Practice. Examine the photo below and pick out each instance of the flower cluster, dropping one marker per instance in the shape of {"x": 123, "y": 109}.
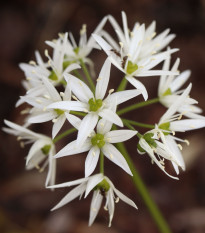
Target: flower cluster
{"x": 63, "y": 89}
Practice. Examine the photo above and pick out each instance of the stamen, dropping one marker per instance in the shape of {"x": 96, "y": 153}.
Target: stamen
{"x": 25, "y": 111}
{"x": 22, "y": 144}
{"x": 18, "y": 138}
{"x": 105, "y": 208}
{"x": 55, "y": 120}
{"x": 121, "y": 44}
{"x": 111, "y": 91}
{"x": 32, "y": 63}
{"x": 117, "y": 199}
{"x": 74, "y": 97}
{"x": 180, "y": 146}
{"x": 39, "y": 101}
{"x": 28, "y": 78}
{"x": 46, "y": 53}
{"x": 187, "y": 142}
{"x": 173, "y": 132}
{"x": 83, "y": 30}
{"x": 111, "y": 156}
{"x": 62, "y": 94}
{"x": 47, "y": 97}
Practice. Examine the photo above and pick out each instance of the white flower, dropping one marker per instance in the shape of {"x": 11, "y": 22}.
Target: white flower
{"x": 42, "y": 149}
{"x": 169, "y": 91}
{"x": 169, "y": 124}
{"x": 40, "y": 113}
{"x": 100, "y": 142}
{"x": 74, "y": 52}
{"x": 102, "y": 187}
{"x": 137, "y": 52}
{"x": 95, "y": 105}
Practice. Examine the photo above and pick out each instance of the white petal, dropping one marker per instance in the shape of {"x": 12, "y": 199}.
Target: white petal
{"x": 92, "y": 182}
{"x": 116, "y": 157}
{"x": 180, "y": 80}
{"x": 111, "y": 205}
{"x": 91, "y": 160}
{"x": 123, "y": 96}
{"x": 186, "y": 125}
{"x": 103, "y": 44}
{"x": 104, "y": 126}
{"x": 86, "y": 127}
{"x": 111, "y": 116}
{"x": 70, "y": 183}
{"x": 95, "y": 206}
{"x": 43, "y": 117}
{"x": 58, "y": 125}
{"x": 124, "y": 198}
{"x": 74, "y": 120}
{"x": 80, "y": 89}
{"x": 51, "y": 90}
{"x": 50, "y": 179}
{"x": 70, "y": 196}
{"x": 137, "y": 84}
{"x": 71, "y": 67}
{"x": 72, "y": 148}
{"x": 69, "y": 105}
{"x": 37, "y": 146}
{"x": 116, "y": 136}
{"x": 103, "y": 79}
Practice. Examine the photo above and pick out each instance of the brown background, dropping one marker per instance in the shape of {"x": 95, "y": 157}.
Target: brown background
{"x": 24, "y": 203}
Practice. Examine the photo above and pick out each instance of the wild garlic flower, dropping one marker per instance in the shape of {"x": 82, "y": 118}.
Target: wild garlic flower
{"x": 42, "y": 150}
{"x": 169, "y": 91}
{"x": 100, "y": 142}
{"x": 165, "y": 130}
{"x": 137, "y": 52}
{"x": 74, "y": 52}
{"x": 40, "y": 113}
{"x": 95, "y": 105}
{"x": 102, "y": 187}
{"x": 54, "y": 69}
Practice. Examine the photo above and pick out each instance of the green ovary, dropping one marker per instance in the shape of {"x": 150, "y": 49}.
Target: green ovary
{"x": 165, "y": 126}
{"x": 98, "y": 140}
{"x": 103, "y": 185}
{"x": 95, "y": 104}
{"x": 167, "y": 92}
{"x": 59, "y": 111}
{"x": 148, "y": 138}
{"x": 53, "y": 76}
{"x": 45, "y": 150}
{"x": 131, "y": 67}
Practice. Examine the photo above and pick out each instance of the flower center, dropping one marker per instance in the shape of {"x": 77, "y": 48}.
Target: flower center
{"x": 103, "y": 186}
{"x": 58, "y": 111}
{"x": 95, "y": 104}
{"x": 53, "y": 76}
{"x": 148, "y": 138}
{"x": 131, "y": 67}
{"x": 165, "y": 126}
{"x": 167, "y": 92}
{"x": 45, "y": 150}
{"x": 76, "y": 50}
{"x": 98, "y": 140}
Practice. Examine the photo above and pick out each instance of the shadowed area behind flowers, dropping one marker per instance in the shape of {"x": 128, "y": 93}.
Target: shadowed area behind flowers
{"x": 24, "y": 202}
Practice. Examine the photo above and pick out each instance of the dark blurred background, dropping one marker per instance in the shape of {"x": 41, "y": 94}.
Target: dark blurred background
{"x": 24, "y": 202}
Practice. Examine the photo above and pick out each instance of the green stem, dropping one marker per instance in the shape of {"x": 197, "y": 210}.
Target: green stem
{"x": 64, "y": 134}
{"x": 122, "y": 85}
{"x": 77, "y": 74}
{"x": 140, "y": 186}
{"x": 90, "y": 81}
{"x": 130, "y": 122}
{"x": 101, "y": 162}
{"x": 138, "y": 105}
{"x": 77, "y": 113}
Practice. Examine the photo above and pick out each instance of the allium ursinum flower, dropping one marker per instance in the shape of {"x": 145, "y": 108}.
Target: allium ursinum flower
{"x": 137, "y": 52}
{"x": 162, "y": 141}
{"x": 54, "y": 69}
{"x": 102, "y": 187}
{"x": 100, "y": 142}
{"x": 169, "y": 90}
{"x": 95, "y": 105}
{"x": 42, "y": 150}
{"x": 40, "y": 113}
{"x": 74, "y": 52}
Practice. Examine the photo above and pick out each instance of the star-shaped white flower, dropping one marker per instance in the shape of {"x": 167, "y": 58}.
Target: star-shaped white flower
{"x": 101, "y": 141}
{"x": 102, "y": 187}
{"x": 95, "y": 105}
{"x": 40, "y": 113}
{"x": 169, "y": 91}
{"x": 162, "y": 141}
{"x": 42, "y": 149}
{"x": 137, "y": 53}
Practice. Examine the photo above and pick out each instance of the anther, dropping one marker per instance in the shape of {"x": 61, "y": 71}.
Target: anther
{"x": 54, "y": 120}
{"x": 117, "y": 199}
{"x": 121, "y": 44}
{"x": 47, "y": 96}
{"x": 62, "y": 94}
{"x": 111, "y": 91}
{"x": 187, "y": 142}
{"x": 180, "y": 146}
{"x": 32, "y": 63}
{"x": 46, "y": 53}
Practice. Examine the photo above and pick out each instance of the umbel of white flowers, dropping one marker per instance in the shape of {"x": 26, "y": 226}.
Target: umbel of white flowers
{"x": 56, "y": 91}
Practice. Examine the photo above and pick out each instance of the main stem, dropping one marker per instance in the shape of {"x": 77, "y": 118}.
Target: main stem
{"x": 122, "y": 85}
{"x": 101, "y": 162}
{"x": 64, "y": 134}
{"x": 89, "y": 78}
{"x": 138, "y": 105}
{"x": 140, "y": 186}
